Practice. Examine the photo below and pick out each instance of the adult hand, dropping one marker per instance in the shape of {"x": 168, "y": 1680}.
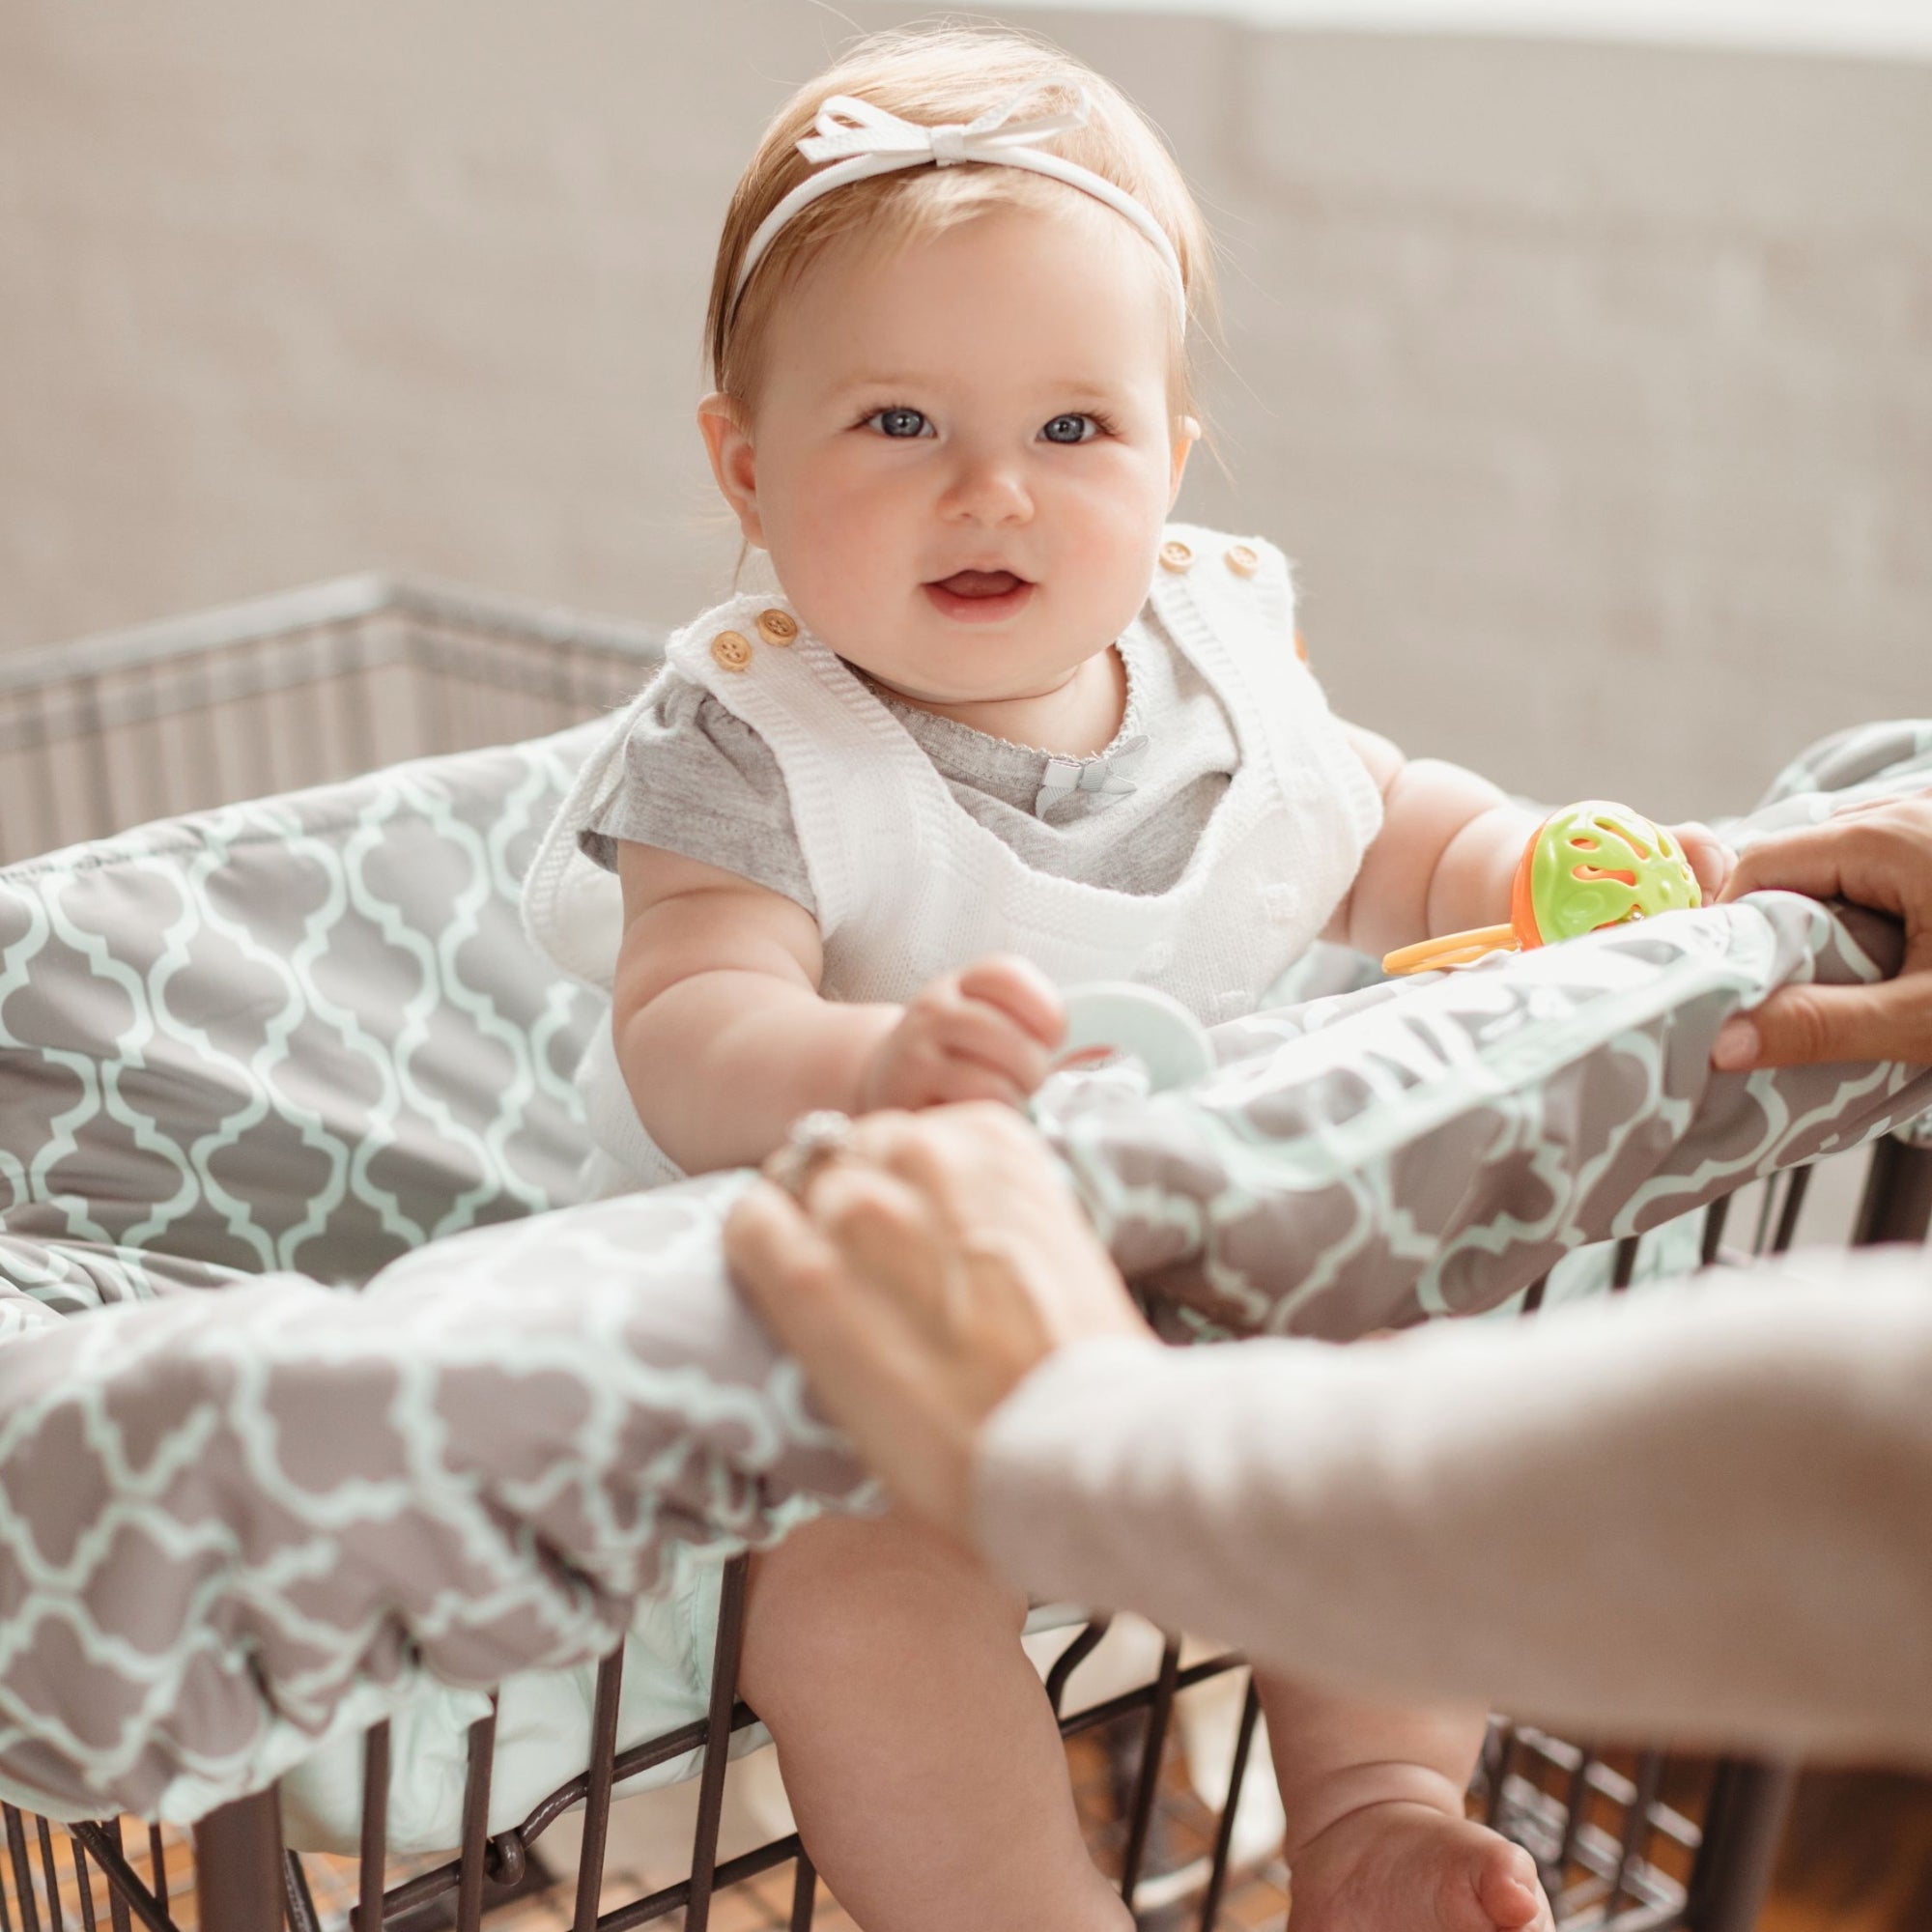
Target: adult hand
{"x": 933, "y": 1261}
{"x": 1877, "y": 855}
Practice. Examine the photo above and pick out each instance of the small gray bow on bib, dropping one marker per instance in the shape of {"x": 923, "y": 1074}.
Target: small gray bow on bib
{"x": 1105, "y": 779}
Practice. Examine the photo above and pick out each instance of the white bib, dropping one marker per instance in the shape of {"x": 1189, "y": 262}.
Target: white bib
{"x": 909, "y": 885}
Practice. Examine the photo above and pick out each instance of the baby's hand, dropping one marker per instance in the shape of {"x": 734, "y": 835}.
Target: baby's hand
{"x": 986, "y": 1033}
{"x": 1711, "y": 859}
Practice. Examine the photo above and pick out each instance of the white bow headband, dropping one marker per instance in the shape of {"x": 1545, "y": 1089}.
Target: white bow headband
{"x": 857, "y": 140}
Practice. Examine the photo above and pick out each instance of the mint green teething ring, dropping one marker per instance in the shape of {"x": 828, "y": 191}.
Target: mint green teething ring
{"x": 1117, "y": 1017}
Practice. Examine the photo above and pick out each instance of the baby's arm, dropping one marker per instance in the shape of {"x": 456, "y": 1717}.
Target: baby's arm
{"x": 1443, "y": 859}
{"x": 1448, "y": 849}
{"x": 724, "y": 1041}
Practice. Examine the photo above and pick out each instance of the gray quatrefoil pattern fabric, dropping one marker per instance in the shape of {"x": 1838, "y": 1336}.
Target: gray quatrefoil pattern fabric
{"x": 253, "y": 1062}
{"x": 301, "y": 1033}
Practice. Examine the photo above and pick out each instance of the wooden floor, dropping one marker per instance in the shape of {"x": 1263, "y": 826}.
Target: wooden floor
{"x": 1858, "y": 1858}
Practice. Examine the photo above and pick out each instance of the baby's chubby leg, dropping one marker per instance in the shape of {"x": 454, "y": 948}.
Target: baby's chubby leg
{"x": 919, "y": 1751}
{"x": 1376, "y": 1837}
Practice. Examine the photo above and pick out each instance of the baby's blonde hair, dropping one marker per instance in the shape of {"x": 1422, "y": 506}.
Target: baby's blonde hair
{"x": 938, "y": 74}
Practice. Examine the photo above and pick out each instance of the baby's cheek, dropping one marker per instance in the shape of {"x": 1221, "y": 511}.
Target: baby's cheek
{"x": 1109, "y": 542}
{"x": 831, "y": 569}
{"x": 833, "y": 530}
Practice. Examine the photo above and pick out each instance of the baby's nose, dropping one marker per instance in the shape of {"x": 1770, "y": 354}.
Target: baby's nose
{"x": 989, "y": 489}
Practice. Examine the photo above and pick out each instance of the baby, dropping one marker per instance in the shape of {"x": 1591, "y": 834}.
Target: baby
{"x": 1002, "y": 729}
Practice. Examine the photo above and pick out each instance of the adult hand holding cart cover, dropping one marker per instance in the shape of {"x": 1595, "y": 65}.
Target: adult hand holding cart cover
{"x": 1372, "y": 1516}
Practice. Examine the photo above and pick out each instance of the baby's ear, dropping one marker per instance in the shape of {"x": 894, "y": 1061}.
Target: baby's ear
{"x": 725, "y": 428}
{"x": 1187, "y": 433}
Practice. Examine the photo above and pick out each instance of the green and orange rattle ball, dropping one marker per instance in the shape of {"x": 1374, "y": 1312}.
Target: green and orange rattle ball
{"x": 1585, "y": 867}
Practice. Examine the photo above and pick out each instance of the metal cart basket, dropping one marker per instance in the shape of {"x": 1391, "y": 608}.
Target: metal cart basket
{"x": 286, "y": 692}
{"x": 335, "y": 680}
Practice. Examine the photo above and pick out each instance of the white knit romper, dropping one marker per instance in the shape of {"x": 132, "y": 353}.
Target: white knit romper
{"x": 909, "y": 885}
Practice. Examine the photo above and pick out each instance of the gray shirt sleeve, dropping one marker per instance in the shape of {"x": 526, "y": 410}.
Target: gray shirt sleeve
{"x": 698, "y": 781}
{"x": 1699, "y": 1515}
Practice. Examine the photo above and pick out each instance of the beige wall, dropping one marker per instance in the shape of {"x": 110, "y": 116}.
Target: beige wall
{"x": 1591, "y": 387}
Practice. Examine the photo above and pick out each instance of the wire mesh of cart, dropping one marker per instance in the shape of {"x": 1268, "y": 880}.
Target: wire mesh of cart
{"x": 347, "y": 677}
{"x": 290, "y": 690}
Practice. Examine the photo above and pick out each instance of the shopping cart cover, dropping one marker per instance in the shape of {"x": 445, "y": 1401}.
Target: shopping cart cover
{"x": 305, "y": 1033}
{"x": 280, "y": 1051}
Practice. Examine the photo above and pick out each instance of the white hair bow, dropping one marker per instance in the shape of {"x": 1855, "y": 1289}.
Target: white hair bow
{"x": 846, "y": 127}
{"x": 855, "y": 139}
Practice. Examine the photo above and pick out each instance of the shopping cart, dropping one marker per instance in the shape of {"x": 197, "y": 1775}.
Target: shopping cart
{"x": 348, "y": 676}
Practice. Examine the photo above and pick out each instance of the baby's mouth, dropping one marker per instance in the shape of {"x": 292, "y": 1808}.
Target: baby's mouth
{"x": 980, "y": 583}
{"x": 978, "y": 595}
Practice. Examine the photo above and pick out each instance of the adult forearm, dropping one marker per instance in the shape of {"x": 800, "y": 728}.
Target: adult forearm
{"x": 720, "y": 1064}
{"x": 1700, "y": 1517}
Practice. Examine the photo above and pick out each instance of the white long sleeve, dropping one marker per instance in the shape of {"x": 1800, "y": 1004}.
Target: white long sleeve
{"x": 1704, "y": 1515}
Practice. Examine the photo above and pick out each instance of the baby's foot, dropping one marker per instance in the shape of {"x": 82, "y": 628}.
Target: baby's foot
{"x": 1408, "y": 1867}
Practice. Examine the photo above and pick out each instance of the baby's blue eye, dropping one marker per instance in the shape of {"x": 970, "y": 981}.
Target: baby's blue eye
{"x": 898, "y": 422}
{"x": 1070, "y": 429}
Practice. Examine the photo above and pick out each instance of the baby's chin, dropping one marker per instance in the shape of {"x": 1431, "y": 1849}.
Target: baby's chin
{"x": 931, "y": 661}
{"x": 972, "y": 692}
{"x": 930, "y": 693}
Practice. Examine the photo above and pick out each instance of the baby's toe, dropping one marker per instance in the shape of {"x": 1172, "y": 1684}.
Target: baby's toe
{"x": 1507, "y": 1892}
